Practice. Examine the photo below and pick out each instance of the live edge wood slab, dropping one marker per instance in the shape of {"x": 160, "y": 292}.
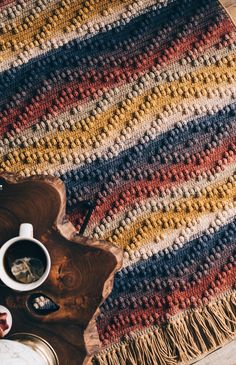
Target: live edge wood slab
{"x": 81, "y": 275}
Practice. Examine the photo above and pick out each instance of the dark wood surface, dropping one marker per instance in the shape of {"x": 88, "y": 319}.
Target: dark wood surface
{"x": 81, "y": 275}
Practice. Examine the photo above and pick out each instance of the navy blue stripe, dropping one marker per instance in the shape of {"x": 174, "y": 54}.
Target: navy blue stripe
{"x": 71, "y": 55}
{"x": 85, "y": 182}
{"x": 166, "y": 265}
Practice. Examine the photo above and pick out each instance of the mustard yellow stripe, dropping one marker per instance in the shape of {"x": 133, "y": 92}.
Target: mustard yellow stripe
{"x": 179, "y": 214}
{"x": 57, "y": 18}
{"x": 149, "y": 204}
{"x": 90, "y": 133}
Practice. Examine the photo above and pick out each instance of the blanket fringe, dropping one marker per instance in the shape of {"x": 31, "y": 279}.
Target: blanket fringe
{"x": 182, "y": 340}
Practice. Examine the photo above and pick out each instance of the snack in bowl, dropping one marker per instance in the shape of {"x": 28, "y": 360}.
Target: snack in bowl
{"x": 5, "y": 321}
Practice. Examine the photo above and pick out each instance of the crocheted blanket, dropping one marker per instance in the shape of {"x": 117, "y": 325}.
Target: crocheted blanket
{"x": 133, "y": 104}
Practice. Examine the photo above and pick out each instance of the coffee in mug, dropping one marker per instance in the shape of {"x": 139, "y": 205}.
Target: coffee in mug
{"x": 24, "y": 261}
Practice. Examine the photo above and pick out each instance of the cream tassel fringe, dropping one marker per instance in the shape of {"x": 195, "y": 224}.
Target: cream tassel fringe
{"x": 184, "y": 338}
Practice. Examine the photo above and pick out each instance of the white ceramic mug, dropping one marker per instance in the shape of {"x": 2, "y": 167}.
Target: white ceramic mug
{"x": 26, "y": 234}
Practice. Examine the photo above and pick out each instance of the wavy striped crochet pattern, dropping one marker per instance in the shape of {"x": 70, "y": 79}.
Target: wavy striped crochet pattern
{"x": 133, "y": 104}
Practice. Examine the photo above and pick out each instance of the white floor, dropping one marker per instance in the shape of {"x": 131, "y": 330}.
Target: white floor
{"x": 223, "y": 356}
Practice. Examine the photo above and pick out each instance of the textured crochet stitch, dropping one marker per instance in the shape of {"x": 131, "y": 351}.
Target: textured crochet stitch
{"x": 132, "y": 103}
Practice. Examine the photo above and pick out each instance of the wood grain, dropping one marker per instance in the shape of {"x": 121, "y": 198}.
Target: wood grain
{"x": 72, "y": 332}
{"x": 81, "y": 275}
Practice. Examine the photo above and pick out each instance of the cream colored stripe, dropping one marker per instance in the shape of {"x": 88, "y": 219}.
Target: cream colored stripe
{"x": 97, "y": 24}
{"x": 111, "y": 147}
{"x": 203, "y": 224}
{"x": 99, "y": 231}
{"x": 114, "y": 96}
{"x": 17, "y": 12}
{"x": 108, "y": 151}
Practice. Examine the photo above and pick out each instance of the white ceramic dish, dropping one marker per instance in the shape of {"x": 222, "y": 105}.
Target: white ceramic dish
{"x": 15, "y": 353}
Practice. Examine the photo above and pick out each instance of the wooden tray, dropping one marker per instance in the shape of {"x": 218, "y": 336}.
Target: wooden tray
{"x": 81, "y": 275}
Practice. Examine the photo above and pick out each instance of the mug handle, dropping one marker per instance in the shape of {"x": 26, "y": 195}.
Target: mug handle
{"x": 26, "y": 230}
